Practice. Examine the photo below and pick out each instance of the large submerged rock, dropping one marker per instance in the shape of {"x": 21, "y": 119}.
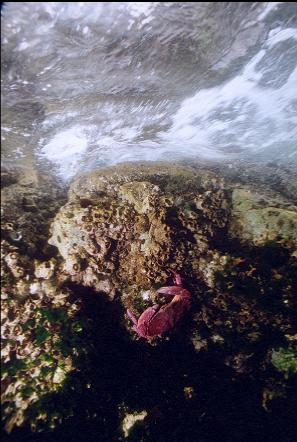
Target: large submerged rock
{"x": 125, "y": 227}
{"x": 116, "y": 240}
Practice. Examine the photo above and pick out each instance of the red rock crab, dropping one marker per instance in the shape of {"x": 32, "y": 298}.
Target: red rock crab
{"x": 157, "y": 320}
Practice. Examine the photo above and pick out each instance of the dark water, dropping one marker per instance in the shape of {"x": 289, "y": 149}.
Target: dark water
{"x": 91, "y": 84}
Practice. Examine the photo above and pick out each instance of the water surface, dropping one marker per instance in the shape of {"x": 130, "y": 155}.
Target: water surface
{"x": 91, "y": 84}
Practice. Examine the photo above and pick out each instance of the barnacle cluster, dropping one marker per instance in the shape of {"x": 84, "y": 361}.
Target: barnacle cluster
{"x": 40, "y": 342}
{"x": 37, "y": 318}
{"x": 125, "y": 228}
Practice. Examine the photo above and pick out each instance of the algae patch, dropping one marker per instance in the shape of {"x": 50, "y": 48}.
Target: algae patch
{"x": 40, "y": 346}
{"x": 285, "y": 360}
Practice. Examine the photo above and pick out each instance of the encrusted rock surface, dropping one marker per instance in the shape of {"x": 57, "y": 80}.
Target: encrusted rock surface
{"x": 32, "y": 353}
{"x": 117, "y": 238}
{"x": 124, "y": 228}
{"x": 258, "y": 218}
{"x": 36, "y": 356}
{"x": 29, "y": 200}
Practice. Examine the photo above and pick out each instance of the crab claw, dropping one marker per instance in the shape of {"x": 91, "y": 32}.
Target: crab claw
{"x": 173, "y": 291}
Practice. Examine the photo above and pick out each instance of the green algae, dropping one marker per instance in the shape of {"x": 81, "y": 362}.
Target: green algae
{"x": 285, "y": 360}
{"x": 65, "y": 341}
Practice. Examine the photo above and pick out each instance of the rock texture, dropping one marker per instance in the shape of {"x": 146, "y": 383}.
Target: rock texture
{"x": 33, "y": 309}
{"x": 257, "y": 218}
{"x": 117, "y": 238}
{"x": 125, "y": 228}
{"x": 29, "y": 200}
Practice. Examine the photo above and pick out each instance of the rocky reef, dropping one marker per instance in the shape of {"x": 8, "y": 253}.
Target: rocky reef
{"x": 117, "y": 239}
{"x": 33, "y": 355}
{"x": 124, "y": 228}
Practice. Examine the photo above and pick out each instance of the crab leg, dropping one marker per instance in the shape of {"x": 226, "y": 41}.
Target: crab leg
{"x": 132, "y": 317}
{"x": 177, "y": 278}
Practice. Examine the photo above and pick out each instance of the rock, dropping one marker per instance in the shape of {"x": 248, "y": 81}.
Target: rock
{"x": 127, "y": 226}
{"x": 130, "y": 420}
{"x": 8, "y": 177}
{"x": 258, "y": 218}
{"x": 121, "y": 233}
{"x": 234, "y": 244}
{"x": 142, "y": 195}
{"x": 45, "y": 270}
{"x": 35, "y": 357}
{"x": 28, "y": 202}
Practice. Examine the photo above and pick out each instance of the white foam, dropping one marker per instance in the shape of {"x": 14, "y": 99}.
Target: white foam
{"x": 277, "y": 35}
{"x": 66, "y": 150}
{"x": 23, "y": 45}
{"x": 239, "y": 112}
{"x": 138, "y": 8}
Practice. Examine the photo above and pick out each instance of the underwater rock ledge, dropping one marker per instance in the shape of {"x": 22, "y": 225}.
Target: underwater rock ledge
{"x": 125, "y": 227}
{"x": 120, "y": 234}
